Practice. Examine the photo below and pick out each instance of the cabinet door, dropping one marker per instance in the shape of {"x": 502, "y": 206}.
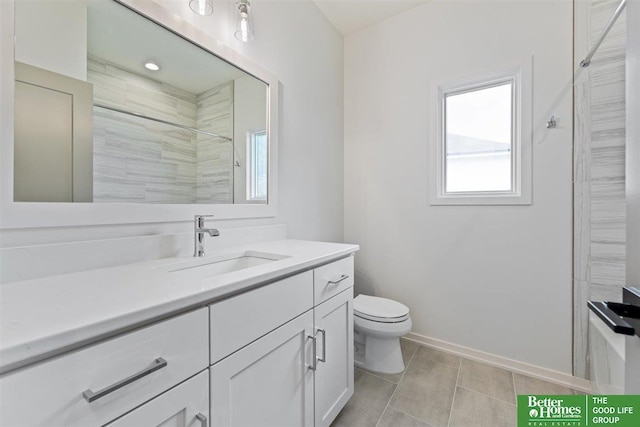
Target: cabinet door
{"x": 186, "y": 405}
{"x": 269, "y": 382}
{"x": 334, "y": 374}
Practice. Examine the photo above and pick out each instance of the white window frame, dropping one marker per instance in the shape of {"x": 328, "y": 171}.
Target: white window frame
{"x": 251, "y": 136}
{"x": 520, "y": 75}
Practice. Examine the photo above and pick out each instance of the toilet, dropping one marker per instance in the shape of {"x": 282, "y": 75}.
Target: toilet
{"x": 378, "y": 325}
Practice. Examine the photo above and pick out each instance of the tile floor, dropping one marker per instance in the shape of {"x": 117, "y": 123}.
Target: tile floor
{"x": 438, "y": 389}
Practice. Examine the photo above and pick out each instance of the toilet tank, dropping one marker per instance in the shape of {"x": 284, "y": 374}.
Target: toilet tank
{"x": 607, "y": 350}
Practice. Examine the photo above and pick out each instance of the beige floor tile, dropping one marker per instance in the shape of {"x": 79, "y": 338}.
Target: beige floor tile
{"x": 369, "y": 401}
{"x": 487, "y": 379}
{"x": 393, "y": 418}
{"x": 528, "y": 385}
{"x": 471, "y": 409}
{"x": 438, "y": 356}
{"x": 426, "y": 390}
{"x": 408, "y": 349}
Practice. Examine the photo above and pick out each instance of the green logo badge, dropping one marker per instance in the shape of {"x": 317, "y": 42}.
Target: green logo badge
{"x": 578, "y": 411}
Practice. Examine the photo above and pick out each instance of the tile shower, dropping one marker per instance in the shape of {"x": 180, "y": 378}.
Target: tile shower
{"x": 174, "y": 166}
{"x": 599, "y": 163}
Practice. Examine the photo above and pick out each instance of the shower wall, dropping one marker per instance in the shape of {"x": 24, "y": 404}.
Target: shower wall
{"x": 215, "y": 155}
{"x": 599, "y": 167}
{"x": 142, "y": 161}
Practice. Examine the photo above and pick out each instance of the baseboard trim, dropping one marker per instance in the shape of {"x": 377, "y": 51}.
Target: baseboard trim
{"x": 545, "y": 374}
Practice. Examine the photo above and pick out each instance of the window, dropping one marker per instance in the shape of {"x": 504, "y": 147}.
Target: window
{"x": 482, "y": 130}
{"x": 257, "y": 171}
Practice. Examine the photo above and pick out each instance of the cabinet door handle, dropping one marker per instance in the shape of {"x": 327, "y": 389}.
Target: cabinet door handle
{"x": 315, "y": 348}
{"x": 335, "y": 282}
{"x": 202, "y": 418}
{"x": 90, "y": 396}
{"x": 324, "y": 345}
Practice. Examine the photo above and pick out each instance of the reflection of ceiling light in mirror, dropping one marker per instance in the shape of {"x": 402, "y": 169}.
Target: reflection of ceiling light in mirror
{"x": 244, "y": 22}
{"x": 202, "y": 7}
{"x": 151, "y": 66}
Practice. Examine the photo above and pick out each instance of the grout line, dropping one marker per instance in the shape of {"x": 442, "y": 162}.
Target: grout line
{"x": 411, "y": 416}
{"x": 455, "y": 389}
{"x": 487, "y": 395}
{"x": 406, "y": 367}
{"x": 373, "y": 374}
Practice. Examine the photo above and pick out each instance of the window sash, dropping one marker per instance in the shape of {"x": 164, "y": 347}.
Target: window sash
{"x": 518, "y": 72}
{"x": 477, "y": 86}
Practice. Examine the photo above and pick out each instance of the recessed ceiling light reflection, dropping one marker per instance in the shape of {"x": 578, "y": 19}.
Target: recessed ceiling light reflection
{"x": 151, "y": 66}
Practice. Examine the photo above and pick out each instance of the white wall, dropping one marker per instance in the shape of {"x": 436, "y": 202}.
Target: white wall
{"x": 249, "y": 99}
{"x": 493, "y": 278}
{"x": 295, "y": 42}
{"x": 52, "y": 35}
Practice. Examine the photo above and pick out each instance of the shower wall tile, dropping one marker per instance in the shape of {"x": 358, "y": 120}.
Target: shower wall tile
{"x": 599, "y": 175}
{"x": 137, "y": 160}
{"x": 582, "y": 190}
{"x": 581, "y": 292}
{"x": 215, "y": 155}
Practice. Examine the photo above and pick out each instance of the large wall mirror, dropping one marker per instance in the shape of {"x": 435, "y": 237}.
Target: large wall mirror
{"x": 123, "y": 103}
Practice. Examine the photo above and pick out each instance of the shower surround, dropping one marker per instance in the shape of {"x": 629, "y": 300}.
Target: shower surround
{"x": 599, "y": 168}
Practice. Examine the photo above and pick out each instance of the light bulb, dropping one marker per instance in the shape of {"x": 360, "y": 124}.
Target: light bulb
{"x": 202, "y": 7}
{"x": 244, "y": 22}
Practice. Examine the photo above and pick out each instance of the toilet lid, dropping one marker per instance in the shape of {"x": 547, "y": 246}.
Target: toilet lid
{"x": 379, "y": 309}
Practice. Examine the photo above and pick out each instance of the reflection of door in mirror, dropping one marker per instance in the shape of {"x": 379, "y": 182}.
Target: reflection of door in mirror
{"x": 53, "y": 137}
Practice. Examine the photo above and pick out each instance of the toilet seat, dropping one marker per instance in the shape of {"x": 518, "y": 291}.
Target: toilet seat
{"x": 378, "y": 309}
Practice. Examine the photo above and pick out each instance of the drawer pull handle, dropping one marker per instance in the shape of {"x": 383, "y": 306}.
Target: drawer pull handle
{"x": 315, "y": 348}
{"x": 324, "y": 345}
{"x": 202, "y": 418}
{"x": 90, "y": 396}
{"x": 335, "y": 282}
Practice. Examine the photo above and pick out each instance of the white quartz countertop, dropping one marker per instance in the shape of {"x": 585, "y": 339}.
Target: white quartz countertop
{"x": 47, "y": 316}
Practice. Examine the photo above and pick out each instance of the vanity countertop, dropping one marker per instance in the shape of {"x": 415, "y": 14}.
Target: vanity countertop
{"x": 43, "y": 317}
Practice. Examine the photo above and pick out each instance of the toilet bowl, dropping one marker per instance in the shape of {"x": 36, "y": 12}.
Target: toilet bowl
{"x": 378, "y": 325}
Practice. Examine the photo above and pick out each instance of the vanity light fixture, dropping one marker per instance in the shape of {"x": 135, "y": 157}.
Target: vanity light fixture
{"x": 151, "y": 66}
{"x": 202, "y": 7}
{"x": 244, "y": 22}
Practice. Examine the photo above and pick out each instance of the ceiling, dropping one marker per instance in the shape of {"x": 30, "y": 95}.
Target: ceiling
{"x": 350, "y": 16}
{"x": 128, "y": 40}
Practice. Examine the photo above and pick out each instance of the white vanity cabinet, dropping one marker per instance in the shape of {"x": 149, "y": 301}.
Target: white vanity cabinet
{"x": 182, "y": 406}
{"x": 267, "y": 383}
{"x": 299, "y": 372}
{"x": 94, "y": 385}
{"x": 334, "y": 369}
{"x": 274, "y": 354}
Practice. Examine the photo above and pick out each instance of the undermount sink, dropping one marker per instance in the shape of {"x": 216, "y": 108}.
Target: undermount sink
{"x": 223, "y": 264}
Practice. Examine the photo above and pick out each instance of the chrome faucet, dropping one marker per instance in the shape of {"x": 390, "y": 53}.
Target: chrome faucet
{"x": 199, "y": 232}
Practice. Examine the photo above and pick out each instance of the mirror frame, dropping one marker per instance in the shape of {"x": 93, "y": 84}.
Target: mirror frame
{"x": 34, "y": 214}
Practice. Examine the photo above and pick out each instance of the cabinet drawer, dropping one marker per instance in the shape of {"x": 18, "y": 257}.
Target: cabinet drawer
{"x": 237, "y": 321}
{"x": 331, "y": 279}
{"x": 59, "y": 387}
{"x": 184, "y": 405}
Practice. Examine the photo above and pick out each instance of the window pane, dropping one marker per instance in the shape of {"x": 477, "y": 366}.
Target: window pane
{"x": 258, "y": 170}
{"x": 479, "y": 140}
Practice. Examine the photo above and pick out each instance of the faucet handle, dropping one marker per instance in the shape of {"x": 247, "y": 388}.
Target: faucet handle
{"x": 199, "y": 220}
